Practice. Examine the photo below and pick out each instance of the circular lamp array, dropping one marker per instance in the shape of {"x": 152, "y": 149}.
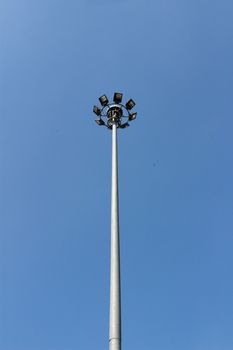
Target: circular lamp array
{"x": 114, "y": 112}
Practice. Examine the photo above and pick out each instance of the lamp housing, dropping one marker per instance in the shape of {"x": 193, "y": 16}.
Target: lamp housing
{"x": 103, "y": 100}
{"x": 130, "y": 104}
{"x": 117, "y": 98}
{"x": 100, "y": 122}
{"x": 132, "y": 116}
{"x": 97, "y": 110}
{"x": 125, "y": 125}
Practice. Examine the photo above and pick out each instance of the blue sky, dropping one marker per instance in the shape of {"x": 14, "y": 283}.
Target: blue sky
{"x": 176, "y": 169}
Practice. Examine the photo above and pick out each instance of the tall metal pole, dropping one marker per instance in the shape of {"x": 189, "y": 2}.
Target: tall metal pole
{"x": 115, "y": 287}
{"x": 115, "y": 115}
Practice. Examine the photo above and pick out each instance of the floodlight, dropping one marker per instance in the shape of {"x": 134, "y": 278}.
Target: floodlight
{"x": 132, "y": 116}
{"x": 103, "y": 100}
{"x": 97, "y": 110}
{"x": 117, "y": 97}
{"x": 100, "y": 122}
{"x": 123, "y": 126}
{"x": 130, "y": 104}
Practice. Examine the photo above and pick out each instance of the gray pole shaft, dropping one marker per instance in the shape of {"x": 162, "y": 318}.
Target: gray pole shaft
{"x": 115, "y": 288}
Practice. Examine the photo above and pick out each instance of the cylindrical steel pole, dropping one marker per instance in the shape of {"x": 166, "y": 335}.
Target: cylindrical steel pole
{"x": 115, "y": 287}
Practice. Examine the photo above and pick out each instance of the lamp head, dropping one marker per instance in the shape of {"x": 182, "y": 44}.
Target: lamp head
{"x": 100, "y": 122}
{"x": 103, "y": 100}
{"x": 97, "y": 110}
{"x": 117, "y": 97}
{"x": 125, "y": 125}
{"x": 132, "y": 116}
{"x": 130, "y": 104}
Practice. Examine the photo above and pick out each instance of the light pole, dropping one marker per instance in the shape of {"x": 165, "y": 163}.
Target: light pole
{"x": 115, "y": 115}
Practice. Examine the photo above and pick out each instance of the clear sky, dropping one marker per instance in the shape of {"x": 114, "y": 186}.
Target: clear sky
{"x": 175, "y": 58}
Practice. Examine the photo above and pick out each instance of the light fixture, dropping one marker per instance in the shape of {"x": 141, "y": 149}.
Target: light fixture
{"x": 117, "y": 97}
{"x": 103, "y": 100}
{"x": 100, "y": 122}
{"x": 123, "y": 126}
{"x": 97, "y": 110}
{"x": 130, "y": 104}
{"x": 115, "y": 112}
{"x": 132, "y": 116}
